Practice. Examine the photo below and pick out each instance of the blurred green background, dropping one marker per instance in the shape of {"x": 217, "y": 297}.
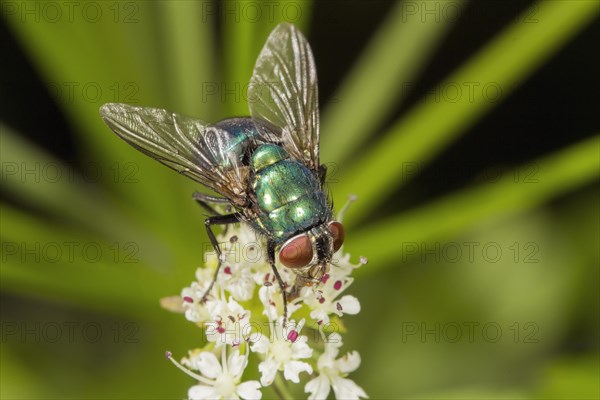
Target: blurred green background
{"x": 468, "y": 130}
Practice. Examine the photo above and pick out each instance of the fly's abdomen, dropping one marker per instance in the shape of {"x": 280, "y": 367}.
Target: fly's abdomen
{"x": 289, "y": 196}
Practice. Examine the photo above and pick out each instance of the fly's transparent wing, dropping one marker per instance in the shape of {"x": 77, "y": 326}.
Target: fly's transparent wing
{"x": 283, "y": 94}
{"x": 187, "y": 145}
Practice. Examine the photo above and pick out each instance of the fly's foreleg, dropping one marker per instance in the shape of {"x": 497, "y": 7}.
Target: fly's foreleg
{"x": 218, "y": 220}
{"x": 271, "y": 260}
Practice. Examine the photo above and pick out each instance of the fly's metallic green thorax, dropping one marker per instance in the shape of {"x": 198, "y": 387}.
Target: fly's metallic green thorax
{"x": 266, "y": 155}
{"x": 289, "y": 195}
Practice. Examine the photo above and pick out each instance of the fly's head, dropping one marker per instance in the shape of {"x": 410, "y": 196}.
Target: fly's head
{"x": 309, "y": 253}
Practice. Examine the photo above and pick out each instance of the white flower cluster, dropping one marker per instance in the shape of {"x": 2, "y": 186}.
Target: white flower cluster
{"x": 244, "y": 314}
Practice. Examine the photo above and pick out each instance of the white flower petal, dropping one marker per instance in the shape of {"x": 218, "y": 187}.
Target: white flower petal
{"x": 346, "y": 389}
{"x": 215, "y": 307}
{"x": 234, "y": 307}
{"x": 249, "y": 390}
{"x": 292, "y": 307}
{"x": 272, "y": 300}
{"x": 332, "y": 346}
{"x": 204, "y": 276}
{"x": 229, "y": 322}
{"x": 208, "y": 364}
{"x": 318, "y": 388}
{"x": 344, "y": 267}
{"x": 334, "y": 340}
{"x": 268, "y": 368}
{"x": 224, "y": 317}
{"x": 350, "y": 305}
{"x": 350, "y": 362}
{"x": 300, "y": 349}
{"x": 241, "y": 285}
{"x": 196, "y": 314}
{"x": 267, "y": 296}
{"x": 237, "y": 363}
{"x": 319, "y": 315}
{"x": 194, "y": 310}
{"x": 201, "y": 392}
{"x": 292, "y": 369}
{"x": 326, "y": 362}
{"x": 261, "y": 345}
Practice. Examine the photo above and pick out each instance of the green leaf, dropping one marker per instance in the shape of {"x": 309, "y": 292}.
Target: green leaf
{"x": 46, "y": 183}
{"x": 380, "y": 80}
{"x": 432, "y": 125}
{"x": 271, "y": 14}
{"x": 238, "y": 57}
{"x": 526, "y": 187}
{"x": 49, "y": 260}
{"x": 571, "y": 378}
{"x": 189, "y": 55}
{"x": 246, "y": 26}
{"x": 88, "y": 62}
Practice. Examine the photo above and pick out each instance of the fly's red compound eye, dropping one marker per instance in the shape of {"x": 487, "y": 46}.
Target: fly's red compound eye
{"x": 337, "y": 233}
{"x": 296, "y": 253}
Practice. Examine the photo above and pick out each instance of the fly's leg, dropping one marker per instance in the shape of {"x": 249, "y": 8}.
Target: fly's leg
{"x": 295, "y": 290}
{"x": 322, "y": 172}
{"x": 271, "y": 260}
{"x": 218, "y": 220}
{"x": 206, "y": 201}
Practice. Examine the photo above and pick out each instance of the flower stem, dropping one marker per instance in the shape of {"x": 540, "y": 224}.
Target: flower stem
{"x": 281, "y": 388}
